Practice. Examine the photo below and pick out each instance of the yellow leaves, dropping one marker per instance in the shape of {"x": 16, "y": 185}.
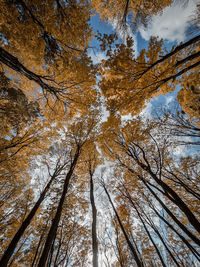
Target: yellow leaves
{"x": 51, "y": 40}
{"x": 154, "y": 51}
{"x": 119, "y": 10}
{"x": 128, "y": 83}
{"x": 189, "y": 96}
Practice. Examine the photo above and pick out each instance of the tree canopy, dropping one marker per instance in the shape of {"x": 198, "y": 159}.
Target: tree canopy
{"x": 88, "y": 175}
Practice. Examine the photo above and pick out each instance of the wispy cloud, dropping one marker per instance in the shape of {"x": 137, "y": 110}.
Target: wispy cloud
{"x": 172, "y": 23}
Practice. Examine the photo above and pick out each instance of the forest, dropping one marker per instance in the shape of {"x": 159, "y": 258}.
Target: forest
{"x": 99, "y": 133}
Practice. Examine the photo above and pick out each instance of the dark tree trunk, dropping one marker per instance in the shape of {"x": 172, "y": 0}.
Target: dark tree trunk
{"x": 131, "y": 247}
{"x": 39, "y": 243}
{"x": 169, "y": 193}
{"x": 94, "y": 224}
{"x": 147, "y": 231}
{"x": 10, "y": 249}
{"x": 56, "y": 219}
{"x": 192, "y": 249}
{"x": 174, "y": 197}
{"x": 182, "y": 227}
{"x": 162, "y": 240}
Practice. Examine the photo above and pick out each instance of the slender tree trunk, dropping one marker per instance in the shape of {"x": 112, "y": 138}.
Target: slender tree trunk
{"x": 49, "y": 261}
{"x": 170, "y": 194}
{"x": 168, "y": 191}
{"x": 165, "y": 245}
{"x": 147, "y": 231}
{"x": 10, "y": 249}
{"x": 184, "y": 240}
{"x": 182, "y": 227}
{"x": 39, "y": 243}
{"x": 94, "y": 224}
{"x": 174, "y": 197}
{"x": 56, "y": 219}
{"x": 192, "y": 249}
{"x": 131, "y": 247}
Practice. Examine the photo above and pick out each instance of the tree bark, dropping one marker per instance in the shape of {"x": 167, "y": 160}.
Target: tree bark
{"x": 94, "y": 224}
{"x": 135, "y": 256}
{"x": 182, "y": 227}
{"x": 10, "y": 249}
{"x": 56, "y": 219}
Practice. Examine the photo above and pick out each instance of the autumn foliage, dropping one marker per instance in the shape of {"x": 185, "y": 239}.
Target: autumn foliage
{"x": 79, "y": 189}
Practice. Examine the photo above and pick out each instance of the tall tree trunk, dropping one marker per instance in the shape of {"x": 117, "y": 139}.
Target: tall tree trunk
{"x": 39, "y": 243}
{"x": 174, "y": 197}
{"x": 191, "y": 248}
{"x": 147, "y": 231}
{"x": 167, "y": 190}
{"x": 131, "y": 247}
{"x": 171, "y": 195}
{"x": 10, "y": 249}
{"x": 182, "y": 226}
{"x": 94, "y": 224}
{"x": 56, "y": 219}
{"x": 162, "y": 240}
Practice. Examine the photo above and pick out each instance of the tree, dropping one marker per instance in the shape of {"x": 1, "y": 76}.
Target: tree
{"x": 130, "y": 245}
{"x": 92, "y": 164}
{"x": 155, "y": 158}
{"x": 119, "y": 10}
{"x": 55, "y": 139}
{"x": 79, "y": 134}
{"x": 55, "y": 222}
{"x": 10, "y": 249}
{"x": 129, "y": 83}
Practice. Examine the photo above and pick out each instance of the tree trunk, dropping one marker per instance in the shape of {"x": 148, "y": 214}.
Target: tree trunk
{"x": 135, "y": 256}
{"x": 10, "y": 249}
{"x": 174, "y": 197}
{"x": 94, "y": 224}
{"x": 182, "y": 227}
{"x": 147, "y": 231}
{"x": 56, "y": 219}
{"x": 162, "y": 240}
{"x": 184, "y": 240}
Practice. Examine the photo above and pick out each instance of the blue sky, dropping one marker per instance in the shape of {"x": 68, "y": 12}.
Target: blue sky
{"x": 171, "y": 25}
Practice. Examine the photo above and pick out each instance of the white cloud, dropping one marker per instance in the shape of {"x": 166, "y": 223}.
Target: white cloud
{"x": 96, "y": 57}
{"x": 169, "y": 99}
{"x": 146, "y": 113}
{"x": 125, "y": 119}
{"x": 172, "y": 23}
{"x": 105, "y": 113}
